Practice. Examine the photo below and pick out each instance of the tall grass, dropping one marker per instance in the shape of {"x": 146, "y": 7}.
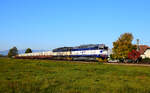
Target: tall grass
{"x": 46, "y": 76}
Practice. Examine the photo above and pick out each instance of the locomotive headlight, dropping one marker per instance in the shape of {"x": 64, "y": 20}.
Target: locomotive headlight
{"x": 105, "y": 52}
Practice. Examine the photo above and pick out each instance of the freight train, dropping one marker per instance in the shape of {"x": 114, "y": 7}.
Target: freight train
{"x": 90, "y": 52}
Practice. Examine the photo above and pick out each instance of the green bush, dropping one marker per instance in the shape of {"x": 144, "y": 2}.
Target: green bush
{"x": 28, "y": 50}
{"x": 13, "y": 52}
{"x": 1, "y": 55}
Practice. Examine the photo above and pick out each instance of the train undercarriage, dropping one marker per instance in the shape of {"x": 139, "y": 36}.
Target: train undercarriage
{"x": 68, "y": 58}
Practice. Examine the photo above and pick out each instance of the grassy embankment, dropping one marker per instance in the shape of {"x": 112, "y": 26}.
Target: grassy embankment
{"x": 45, "y": 76}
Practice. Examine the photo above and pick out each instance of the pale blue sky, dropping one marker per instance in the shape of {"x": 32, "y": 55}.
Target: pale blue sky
{"x": 47, "y": 24}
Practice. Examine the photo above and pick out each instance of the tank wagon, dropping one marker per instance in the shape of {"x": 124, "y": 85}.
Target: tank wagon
{"x": 92, "y": 52}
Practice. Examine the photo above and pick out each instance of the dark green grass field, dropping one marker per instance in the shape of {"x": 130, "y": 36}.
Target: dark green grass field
{"x": 47, "y": 76}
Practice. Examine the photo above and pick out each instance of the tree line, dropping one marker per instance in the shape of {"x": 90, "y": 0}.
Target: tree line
{"x": 14, "y": 51}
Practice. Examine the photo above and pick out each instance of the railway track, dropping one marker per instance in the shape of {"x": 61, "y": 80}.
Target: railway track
{"x": 86, "y": 62}
{"x": 129, "y": 64}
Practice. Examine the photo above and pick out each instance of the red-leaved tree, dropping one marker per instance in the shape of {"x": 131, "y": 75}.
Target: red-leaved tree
{"x": 134, "y": 55}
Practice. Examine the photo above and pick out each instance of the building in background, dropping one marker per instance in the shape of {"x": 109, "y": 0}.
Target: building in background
{"x": 144, "y": 51}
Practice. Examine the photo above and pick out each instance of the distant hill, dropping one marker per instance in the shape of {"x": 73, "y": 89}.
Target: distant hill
{"x": 5, "y": 52}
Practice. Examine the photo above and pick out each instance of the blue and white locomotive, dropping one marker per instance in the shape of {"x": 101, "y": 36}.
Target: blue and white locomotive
{"x": 83, "y": 52}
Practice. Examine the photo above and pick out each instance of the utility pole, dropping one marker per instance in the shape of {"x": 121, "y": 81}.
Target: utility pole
{"x": 138, "y": 48}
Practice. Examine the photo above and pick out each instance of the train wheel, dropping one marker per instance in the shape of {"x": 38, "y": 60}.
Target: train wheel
{"x": 101, "y": 60}
{"x": 69, "y": 58}
{"x": 105, "y": 60}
